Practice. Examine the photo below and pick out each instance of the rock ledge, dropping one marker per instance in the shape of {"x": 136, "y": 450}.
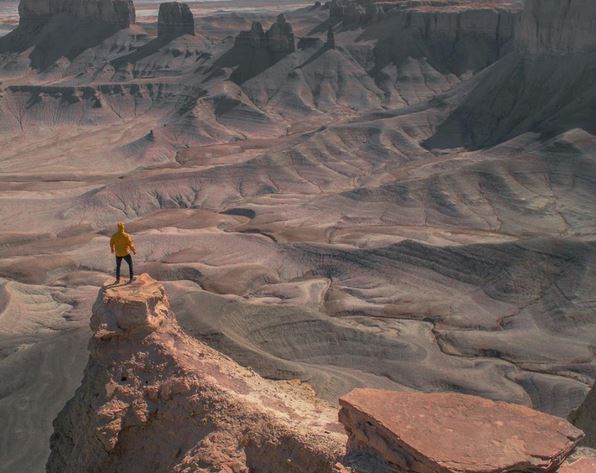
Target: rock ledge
{"x": 445, "y": 432}
{"x": 140, "y": 307}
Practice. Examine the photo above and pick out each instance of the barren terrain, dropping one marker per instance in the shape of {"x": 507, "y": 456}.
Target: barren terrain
{"x": 411, "y": 209}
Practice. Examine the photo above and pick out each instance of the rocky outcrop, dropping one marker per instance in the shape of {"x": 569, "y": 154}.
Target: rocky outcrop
{"x": 175, "y": 19}
{"x": 120, "y": 13}
{"x": 155, "y": 400}
{"x": 556, "y": 27}
{"x": 253, "y": 38}
{"x": 330, "y": 43}
{"x": 453, "y": 433}
{"x": 279, "y": 39}
{"x": 585, "y": 418}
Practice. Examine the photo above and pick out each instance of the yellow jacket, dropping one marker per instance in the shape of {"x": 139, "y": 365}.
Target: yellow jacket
{"x": 121, "y": 242}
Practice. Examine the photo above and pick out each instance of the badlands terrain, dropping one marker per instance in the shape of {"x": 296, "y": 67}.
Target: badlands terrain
{"x": 394, "y": 194}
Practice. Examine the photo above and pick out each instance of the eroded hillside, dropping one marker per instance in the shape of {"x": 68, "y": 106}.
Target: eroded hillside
{"x": 384, "y": 194}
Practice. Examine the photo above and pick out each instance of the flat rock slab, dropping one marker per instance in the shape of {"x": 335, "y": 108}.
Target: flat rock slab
{"x": 446, "y": 432}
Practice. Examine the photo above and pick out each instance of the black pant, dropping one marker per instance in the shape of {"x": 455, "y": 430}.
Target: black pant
{"x": 119, "y": 259}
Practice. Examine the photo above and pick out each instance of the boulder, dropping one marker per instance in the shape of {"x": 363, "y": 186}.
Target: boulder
{"x": 175, "y": 19}
{"x": 454, "y": 433}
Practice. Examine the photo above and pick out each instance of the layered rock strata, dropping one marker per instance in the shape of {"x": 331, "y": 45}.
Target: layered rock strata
{"x": 278, "y": 39}
{"x": 175, "y": 19}
{"x": 155, "y": 400}
{"x": 120, "y": 13}
{"x": 556, "y": 27}
{"x": 454, "y": 433}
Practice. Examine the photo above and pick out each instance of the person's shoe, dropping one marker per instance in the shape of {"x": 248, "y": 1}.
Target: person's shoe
{"x": 131, "y": 280}
{"x": 117, "y": 281}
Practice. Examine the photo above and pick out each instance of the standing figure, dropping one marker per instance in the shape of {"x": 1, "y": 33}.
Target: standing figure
{"x": 121, "y": 244}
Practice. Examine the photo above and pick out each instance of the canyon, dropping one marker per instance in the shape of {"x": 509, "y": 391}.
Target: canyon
{"x": 394, "y": 196}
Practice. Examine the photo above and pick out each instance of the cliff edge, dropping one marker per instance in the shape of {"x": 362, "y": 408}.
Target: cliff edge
{"x": 120, "y": 13}
{"x": 155, "y": 400}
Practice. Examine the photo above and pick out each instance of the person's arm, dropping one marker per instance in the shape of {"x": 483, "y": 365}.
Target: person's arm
{"x": 112, "y": 248}
{"x": 132, "y": 246}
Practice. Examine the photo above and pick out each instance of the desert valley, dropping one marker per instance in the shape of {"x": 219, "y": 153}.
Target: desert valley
{"x": 395, "y": 194}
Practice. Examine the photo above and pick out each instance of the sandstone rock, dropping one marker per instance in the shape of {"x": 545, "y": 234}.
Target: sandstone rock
{"x": 585, "y": 418}
{"x": 556, "y": 27}
{"x": 141, "y": 307}
{"x": 175, "y": 19}
{"x": 253, "y": 38}
{"x": 120, "y": 13}
{"x": 443, "y": 432}
{"x": 156, "y": 400}
{"x": 280, "y": 38}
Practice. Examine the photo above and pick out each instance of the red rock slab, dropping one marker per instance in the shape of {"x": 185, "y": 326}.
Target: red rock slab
{"x": 447, "y": 432}
{"x": 583, "y": 465}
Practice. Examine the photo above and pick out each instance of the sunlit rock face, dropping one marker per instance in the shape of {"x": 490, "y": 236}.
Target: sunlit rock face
{"x": 556, "y": 27}
{"x": 155, "y": 400}
{"x": 279, "y": 38}
{"x": 175, "y": 19}
{"x": 117, "y": 12}
{"x": 453, "y": 433}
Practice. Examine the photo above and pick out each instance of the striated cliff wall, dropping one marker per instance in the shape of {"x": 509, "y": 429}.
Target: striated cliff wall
{"x": 175, "y": 19}
{"x": 116, "y": 12}
{"x": 556, "y": 27}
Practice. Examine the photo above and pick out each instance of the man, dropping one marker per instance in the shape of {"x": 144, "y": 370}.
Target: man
{"x": 121, "y": 243}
